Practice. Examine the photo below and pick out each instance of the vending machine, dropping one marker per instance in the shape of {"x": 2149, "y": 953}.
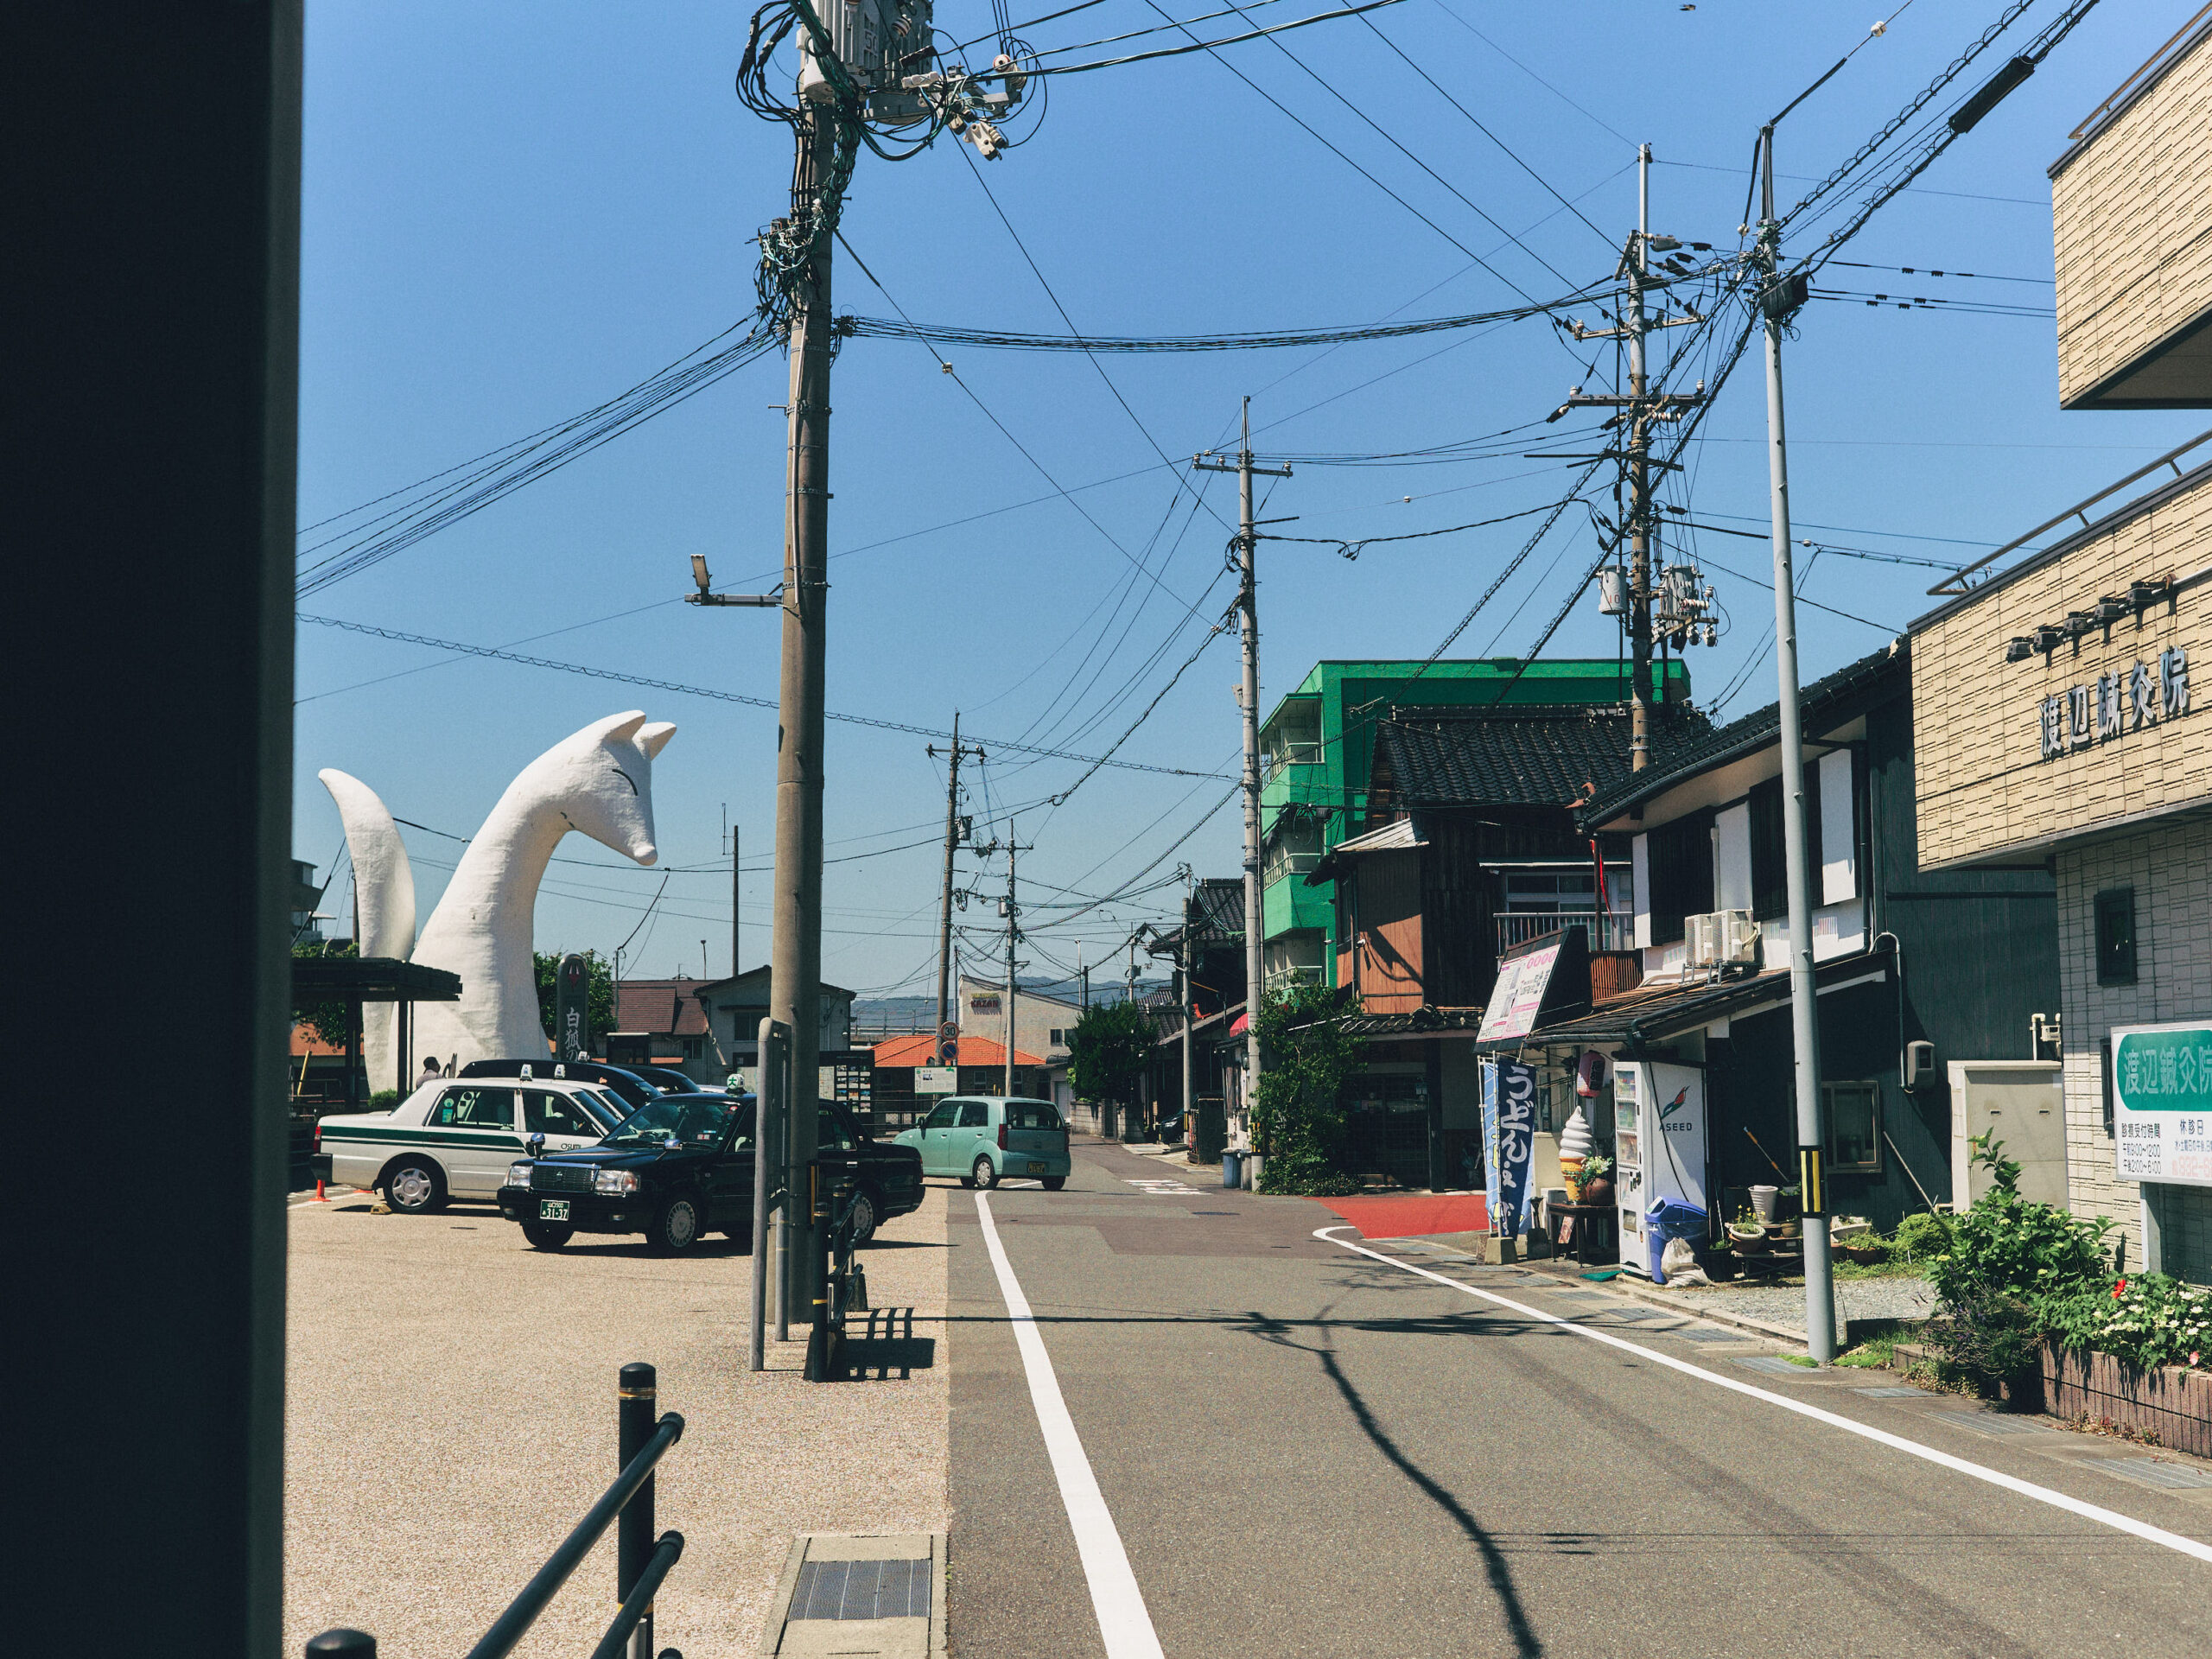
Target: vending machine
{"x": 1658, "y": 1147}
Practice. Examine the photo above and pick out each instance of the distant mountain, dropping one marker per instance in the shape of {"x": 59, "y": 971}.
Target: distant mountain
{"x": 905, "y": 1013}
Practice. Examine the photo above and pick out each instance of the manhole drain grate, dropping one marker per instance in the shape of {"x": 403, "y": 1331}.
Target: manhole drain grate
{"x": 863, "y": 1590}
{"x": 2153, "y": 1473}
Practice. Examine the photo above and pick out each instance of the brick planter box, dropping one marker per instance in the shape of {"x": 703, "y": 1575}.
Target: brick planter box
{"x": 2172, "y": 1402}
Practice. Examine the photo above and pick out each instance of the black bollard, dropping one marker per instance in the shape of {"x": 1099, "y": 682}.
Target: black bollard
{"x": 638, "y": 1397}
{"x": 352, "y": 1644}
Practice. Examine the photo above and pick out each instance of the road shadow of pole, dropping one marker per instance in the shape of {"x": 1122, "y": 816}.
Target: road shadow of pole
{"x": 1525, "y": 1640}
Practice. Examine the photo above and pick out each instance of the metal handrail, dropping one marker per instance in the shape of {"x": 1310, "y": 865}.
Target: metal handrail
{"x": 513, "y": 1625}
{"x": 665, "y": 1556}
{"x": 1956, "y": 583}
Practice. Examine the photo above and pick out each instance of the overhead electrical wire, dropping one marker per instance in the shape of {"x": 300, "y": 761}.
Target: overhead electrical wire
{"x": 1258, "y": 339}
{"x": 722, "y": 696}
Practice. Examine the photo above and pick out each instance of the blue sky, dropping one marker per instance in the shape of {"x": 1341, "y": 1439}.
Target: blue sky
{"x": 513, "y": 212}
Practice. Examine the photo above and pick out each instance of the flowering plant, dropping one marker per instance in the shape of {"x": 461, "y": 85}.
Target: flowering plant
{"x": 2147, "y": 1320}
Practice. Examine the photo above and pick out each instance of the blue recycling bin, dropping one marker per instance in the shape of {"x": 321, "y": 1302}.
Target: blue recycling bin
{"x": 1671, "y": 1218}
{"x": 1232, "y": 1169}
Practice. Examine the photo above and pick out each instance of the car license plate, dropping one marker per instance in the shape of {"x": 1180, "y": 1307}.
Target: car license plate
{"x": 552, "y": 1209}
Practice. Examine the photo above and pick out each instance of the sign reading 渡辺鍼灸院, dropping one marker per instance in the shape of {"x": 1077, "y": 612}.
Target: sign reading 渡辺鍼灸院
{"x": 2162, "y": 1102}
{"x": 2123, "y": 701}
{"x": 1509, "y": 1137}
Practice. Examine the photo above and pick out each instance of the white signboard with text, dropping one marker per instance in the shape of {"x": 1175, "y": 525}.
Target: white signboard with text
{"x": 937, "y": 1080}
{"x": 2162, "y": 1102}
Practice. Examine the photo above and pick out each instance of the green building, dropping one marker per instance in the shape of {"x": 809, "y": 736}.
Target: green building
{"x": 1316, "y": 748}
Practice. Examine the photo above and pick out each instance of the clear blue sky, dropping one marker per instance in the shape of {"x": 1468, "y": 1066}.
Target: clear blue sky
{"x": 514, "y": 211}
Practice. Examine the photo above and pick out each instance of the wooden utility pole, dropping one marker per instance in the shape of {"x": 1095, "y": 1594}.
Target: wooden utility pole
{"x": 795, "y": 957}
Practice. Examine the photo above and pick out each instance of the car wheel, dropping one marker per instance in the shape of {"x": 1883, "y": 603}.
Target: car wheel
{"x": 675, "y": 1227}
{"x": 983, "y": 1177}
{"x": 864, "y": 1217}
{"x": 413, "y": 1187}
{"x": 542, "y": 1237}
{"x": 1054, "y": 1183}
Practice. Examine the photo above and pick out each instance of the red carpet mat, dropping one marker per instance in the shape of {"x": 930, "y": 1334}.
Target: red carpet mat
{"x": 1409, "y": 1215}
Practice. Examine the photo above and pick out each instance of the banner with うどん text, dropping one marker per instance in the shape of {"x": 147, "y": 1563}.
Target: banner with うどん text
{"x": 1509, "y": 1138}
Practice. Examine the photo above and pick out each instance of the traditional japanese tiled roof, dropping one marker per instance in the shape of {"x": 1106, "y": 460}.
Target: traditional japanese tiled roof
{"x": 922, "y": 1051}
{"x": 1822, "y": 705}
{"x": 1542, "y": 756}
{"x": 667, "y": 1007}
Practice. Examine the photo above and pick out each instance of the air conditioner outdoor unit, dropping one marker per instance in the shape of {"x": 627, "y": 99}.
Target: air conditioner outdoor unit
{"x": 1720, "y": 939}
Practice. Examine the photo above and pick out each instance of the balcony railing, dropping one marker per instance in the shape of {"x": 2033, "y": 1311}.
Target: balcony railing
{"x": 1280, "y": 864}
{"x": 1611, "y": 930}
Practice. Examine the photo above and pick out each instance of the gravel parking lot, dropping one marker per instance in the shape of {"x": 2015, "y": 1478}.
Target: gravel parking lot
{"x": 451, "y": 1414}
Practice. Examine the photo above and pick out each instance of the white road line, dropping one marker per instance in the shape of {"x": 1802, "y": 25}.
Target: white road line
{"x": 2127, "y": 1523}
{"x": 1123, "y": 1621}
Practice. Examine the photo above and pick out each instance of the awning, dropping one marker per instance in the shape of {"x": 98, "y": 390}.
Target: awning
{"x": 370, "y": 979}
{"x": 1653, "y": 1014}
{"x": 1400, "y": 835}
{"x": 1241, "y": 1024}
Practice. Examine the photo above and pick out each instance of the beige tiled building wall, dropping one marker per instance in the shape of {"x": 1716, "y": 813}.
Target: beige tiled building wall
{"x": 2170, "y": 868}
{"x": 2131, "y": 215}
{"x": 1982, "y": 784}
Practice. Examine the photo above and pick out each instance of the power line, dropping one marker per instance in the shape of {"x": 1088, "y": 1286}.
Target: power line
{"x": 719, "y": 696}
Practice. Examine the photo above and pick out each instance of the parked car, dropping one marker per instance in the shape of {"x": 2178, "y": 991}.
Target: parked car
{"x": 680, "y": 1166}
{"x": 454, "y": 1137}
{"x": 670, "y": 1081}
{"x": 633, "y": 1089}
{"x": 984, "y": 1139}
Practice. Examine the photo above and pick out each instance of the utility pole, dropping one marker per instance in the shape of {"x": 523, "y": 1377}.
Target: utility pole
{"x": 795, "y": 956}
{"x": 1640, "y": 411}
{"x": 736, "y": 966}
{"x": 944, "y": 920}
{"x": 1776, "y": 303}
{"x": 1248, "y": 612}
{"x": 1639, "y": 478}
{"x": 1012, "y": 929}
{"x": 1183, "y": 987}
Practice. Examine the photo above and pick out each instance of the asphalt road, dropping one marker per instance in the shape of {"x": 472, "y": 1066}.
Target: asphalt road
{"x": 1305, "y": 1451}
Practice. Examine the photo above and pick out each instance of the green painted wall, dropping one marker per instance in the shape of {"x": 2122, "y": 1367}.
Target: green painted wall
{"x": 1351, "y": 696}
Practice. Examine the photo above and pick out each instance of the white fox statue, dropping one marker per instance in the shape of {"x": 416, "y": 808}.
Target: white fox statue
{"x": 599, "y": 781}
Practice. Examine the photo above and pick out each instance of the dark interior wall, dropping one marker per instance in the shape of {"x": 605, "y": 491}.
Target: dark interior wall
{"x": 153, "y": 249}
{"x": 1753, "y": 1085}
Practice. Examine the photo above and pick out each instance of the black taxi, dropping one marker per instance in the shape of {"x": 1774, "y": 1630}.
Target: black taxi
{"x": 681, "y": 1166}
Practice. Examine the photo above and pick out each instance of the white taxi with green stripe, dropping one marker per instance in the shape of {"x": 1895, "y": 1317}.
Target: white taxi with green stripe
{"x": 454, "y": 1138}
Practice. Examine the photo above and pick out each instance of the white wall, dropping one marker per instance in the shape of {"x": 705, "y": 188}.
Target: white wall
{"x": 1640, "y": 862}
{"x": 1838, "y": 829}
{"x": 1732, "y": 859}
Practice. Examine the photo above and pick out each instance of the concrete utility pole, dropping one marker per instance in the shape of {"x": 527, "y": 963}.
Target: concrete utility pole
{"x": 1013, "y": 931}
{"x": 1639, "y": 479}
{"x": 1183, "y": 988}
{"x": 944, "y": 920}
{"x": 1248, "y": 612}
{"x": 795, "y": 958}
{"x": 736, "y": 900}
{"x": 1804, "y": 998}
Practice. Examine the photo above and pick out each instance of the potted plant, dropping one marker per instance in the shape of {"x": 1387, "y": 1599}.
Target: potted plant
{"x": 1591, "y": 1183}
{"x": 1746, "y": 1232}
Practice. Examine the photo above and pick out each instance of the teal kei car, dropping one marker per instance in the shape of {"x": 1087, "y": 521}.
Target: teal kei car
{"x": 983, "y": 1140}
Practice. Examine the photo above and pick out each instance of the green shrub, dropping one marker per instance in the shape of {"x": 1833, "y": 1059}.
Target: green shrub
{"x": 1298, "y": 1116}
{"x": 2147, "y": 1319}
{"x": 1920, "y": 1238}
{"x": 383, "y": 1101}
{"x": 2008, "y": 1256}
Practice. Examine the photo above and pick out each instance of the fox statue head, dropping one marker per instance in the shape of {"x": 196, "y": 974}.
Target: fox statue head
{"x": 600, "y": 780}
